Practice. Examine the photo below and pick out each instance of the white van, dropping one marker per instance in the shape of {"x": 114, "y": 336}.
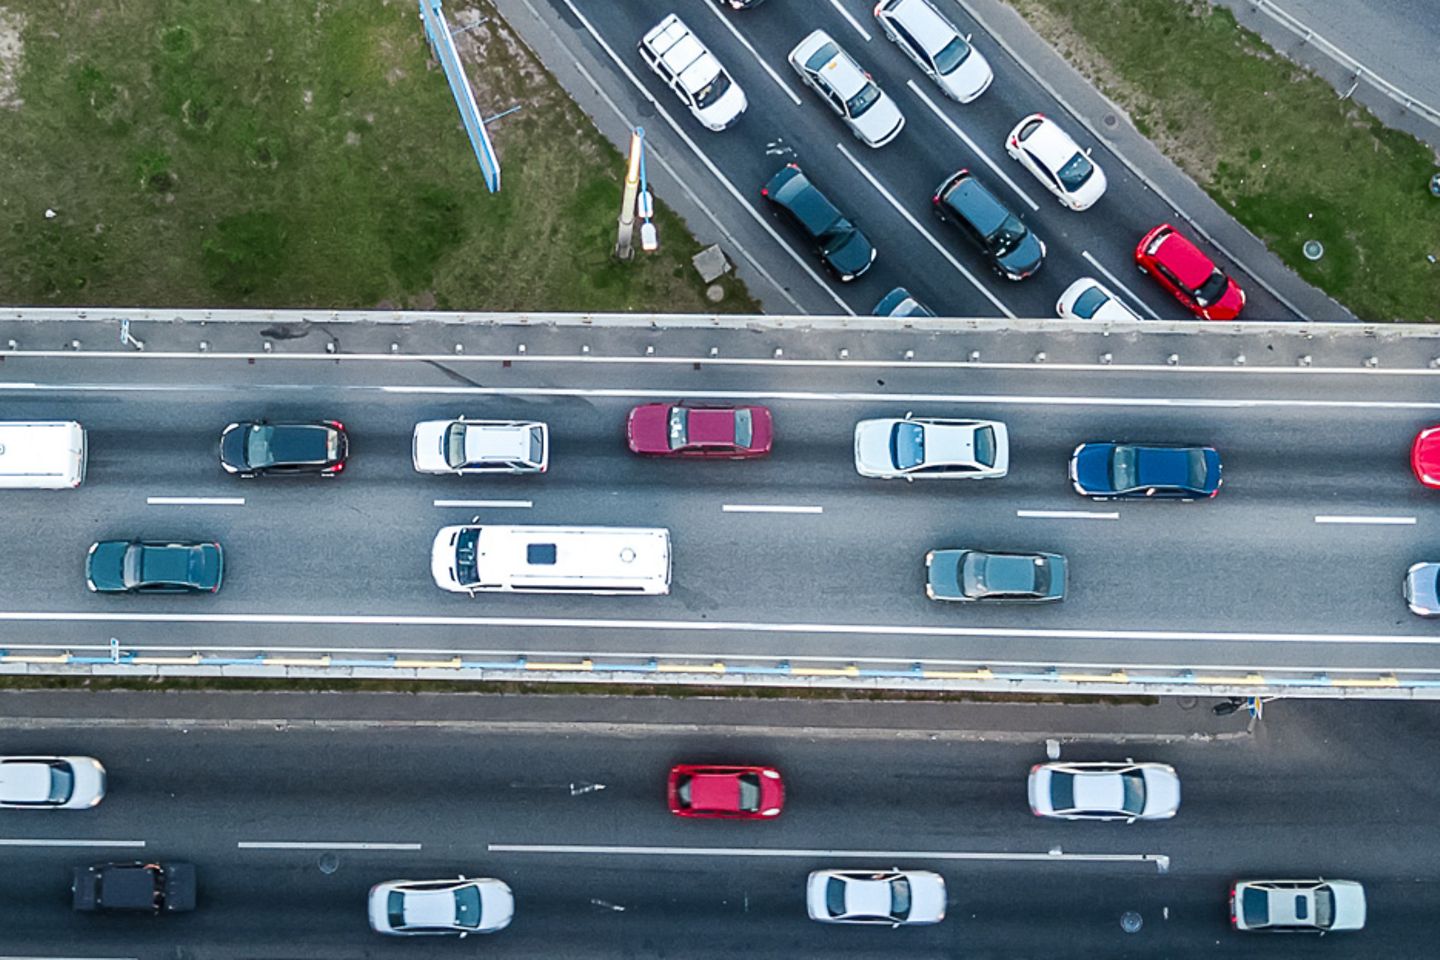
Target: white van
{"x": 41, "y": 455}
{"x": 542, "y": 559}
{"x": 689, "y": 68}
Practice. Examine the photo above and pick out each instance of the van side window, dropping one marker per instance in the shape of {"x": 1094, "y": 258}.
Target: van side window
{"x": 538, "y": 553}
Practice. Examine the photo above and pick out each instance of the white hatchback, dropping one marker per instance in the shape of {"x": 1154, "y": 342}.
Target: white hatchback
{"x": 924, "y": 35}
{"x": 457, "y": 907}
{"x": 897, "y": 898}
{"x": 1089, "y": 299}
{"x": 847, "y": 89}
{"x": 51, "y": 783}
{"x": 463, "y": 446}
{"x": 1057, "y": 161}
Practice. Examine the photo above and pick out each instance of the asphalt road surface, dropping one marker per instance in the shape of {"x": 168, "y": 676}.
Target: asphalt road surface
{"x": 289, "y": 828}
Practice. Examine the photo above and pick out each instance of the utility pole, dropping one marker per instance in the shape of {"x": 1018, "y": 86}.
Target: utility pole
{"x": 625, "y": 240}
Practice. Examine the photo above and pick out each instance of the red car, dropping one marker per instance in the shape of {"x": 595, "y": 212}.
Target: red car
{"x": 726, "y": 793}
{"x": 1425, "y": 457}
{"x": 1190, "y": 275}
{"x": 676, "y": 430}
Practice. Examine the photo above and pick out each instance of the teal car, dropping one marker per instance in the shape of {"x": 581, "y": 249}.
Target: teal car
{"x": 149, "y": 566}
{"x": 972, "y": 575}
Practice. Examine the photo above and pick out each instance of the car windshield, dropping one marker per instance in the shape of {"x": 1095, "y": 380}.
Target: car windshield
{"x": 823, "y": 54}
{"x": 537, "y": 444}
{"x": 835, "y": 897}
{"x": 863, "y": 100}
{"x": 1076, "y": 171}
{"x": 749, "y": 792}
{"x": 131, "y": 568}
{"x": 1062, "y": 791}
{"x": 1212, "y": 289}
{"x": 1008, "y": 237}
{"x": 985, "y": 446}
{"x": 1255, "y": 905}
{"x": 62, "y": 783}
{"x": 1324, "y": 908}
{"x": 956, "y": 52}
{"x": 455, "y": 445}
{"x": 899, "y": 898}
{"x": 467, "y": 907}
{"x": 467, "y": 568}
{"x": 1122, "y": 468}
{"x": 395, "y": 909}
{"x": 1133, "y": 782}
{"x": 712, "y": 91}
{"x": 682, "y": 791}
{"x": 907, "y": 445}
{"x": 679, "y": 427}
{"x": 744, "y": 428}
{"x": 1195, "y": 469}
{"x": 1089, "y": 302}
{"x": 257, "y": 446}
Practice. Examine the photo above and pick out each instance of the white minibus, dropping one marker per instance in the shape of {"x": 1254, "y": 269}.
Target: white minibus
{"x": 552, "y": 559}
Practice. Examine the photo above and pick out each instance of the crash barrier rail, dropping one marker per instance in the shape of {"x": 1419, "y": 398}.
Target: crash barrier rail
{"x": 126, "y": 660}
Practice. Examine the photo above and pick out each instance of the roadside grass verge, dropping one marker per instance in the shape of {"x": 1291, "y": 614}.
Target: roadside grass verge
{"x": 303, "y": 154}
{"x": 1270, "y": 141}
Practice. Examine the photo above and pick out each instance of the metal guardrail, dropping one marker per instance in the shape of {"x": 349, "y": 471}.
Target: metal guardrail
{"x": 1358, "y": 70}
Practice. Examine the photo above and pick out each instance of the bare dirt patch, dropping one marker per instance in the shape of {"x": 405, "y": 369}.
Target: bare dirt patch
{"x": 12, "y": 48}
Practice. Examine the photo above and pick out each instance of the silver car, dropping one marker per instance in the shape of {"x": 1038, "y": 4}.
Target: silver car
{"x": 898, "y": 898}
{"x": 1103, "y": 790}
{"x": 924, "y": 35}
{"x": 1422, "y": 589}
{"x": 457, "y": 907}
{"x": 463, "y": 446}
{"x": 1297, "y": 906}
{"x": 51, "y": 783}
{"x": 930, "y": 448}
{"x": 847, "y": 89}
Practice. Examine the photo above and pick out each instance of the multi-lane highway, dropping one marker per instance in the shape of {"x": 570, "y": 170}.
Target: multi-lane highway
{"x": 1297, "y": 563}
{"x": 290, "y": 826}
{"x": 887, "y": 190}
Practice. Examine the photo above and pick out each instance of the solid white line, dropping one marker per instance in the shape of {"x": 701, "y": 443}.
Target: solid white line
{"x": 1377, "y": 521}
{"x": 519, "y": 504}
{"x": 955, "y": 129}
{"x": 887, "y": 855}
{"x": 1067, "y": 514}
{"x": 864, "y": 172}
{"x": 853, "y": 22}
{"x": 318, "y": 845}
{"x": 196, "y": 501}
{"x": 764, "y": 508}
{"x": 1115, "y": 282}
{"x": 715, "y": 10}
{"x": 25, "y": 842}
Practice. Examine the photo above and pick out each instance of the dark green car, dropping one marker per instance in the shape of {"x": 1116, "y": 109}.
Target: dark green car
{"x": 969, "y": 575}
{"x": 149, "y": 566}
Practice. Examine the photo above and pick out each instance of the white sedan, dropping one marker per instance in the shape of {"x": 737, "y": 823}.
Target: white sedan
{"x": 929, "y": 448}
{"x": 51, "y": 783}
{"x": 1089, "y": 299}
{"x": 1103, "y": 790}
{"x": 894, "y": 897}
{"x": 847, "y": 89}
{"x": 1056, "y": 161}
{"x": 428, "y": 907}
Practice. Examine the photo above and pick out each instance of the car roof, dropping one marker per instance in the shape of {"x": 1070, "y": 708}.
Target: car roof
{"x": 484, "y": 442}
{"x": 1010, "y": 572}
{"x": 299, "y": 442}
{"x": 165, "y": 563}
{"x": 1184, "y": 259}
{"x": 710, "y": 426}
{"x": 923, "y": 22}
{"x": 840, "y": 71}
{"x": 867, "y": 897}
{"x": 949, "y": 442}
{"x": 1050, "y": 144}
{"x": 710, "y": 790}
{"x": 24, "y": 781}
{"x": 973, "y": 200}
{"x": 810, "y": 206}
{"x": 1098, "y": 790}
{"x": 430, "y": 908}
{"x": 1163, "y": 466}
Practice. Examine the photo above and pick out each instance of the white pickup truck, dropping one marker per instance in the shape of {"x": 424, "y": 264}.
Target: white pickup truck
{"x": 689, "y": 68}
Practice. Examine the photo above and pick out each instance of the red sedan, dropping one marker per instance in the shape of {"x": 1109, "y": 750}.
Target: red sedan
{"x": 1187, "y": 273}
{"x": 1425, "y": 457}
{"x": 726, "y": 793}
{"x": 675, "y": 430}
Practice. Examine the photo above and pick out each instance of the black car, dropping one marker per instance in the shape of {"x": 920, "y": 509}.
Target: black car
{"x": 256, "y": 447}
{"x": 901, "y": 303}
{"x": 1013, "y": 251}
{"x": 150, "y": 566}
{"x": 157, "y": 887}
{"x": 845, "y": 250}
{"x": 1128, "y": 471}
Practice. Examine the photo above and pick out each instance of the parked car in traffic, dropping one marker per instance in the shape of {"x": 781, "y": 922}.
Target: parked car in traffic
{"x": 1297, "y": 906}
{"x": 847, "y": 89}
{"x": 51, "y": 783}
{"x": 1131, "y": 471}
{"x": 1044, "y": 148}
{"x": 934, "y": 45}
{"x": 893, "y": 898}
{"x": 681, "y": 430}
{"x": 1102, "y": 790}
{"x": 254, "y": 448}
{"x": 981, "y": 575}
{"x": 1089, "y": 299}
{"x": 718, "y": 792}
{"x": 154, "y": 566}
{"x": 462, "y": 446}
{"x": 457, "y": 908}
{"x": 159, "y": 886}
{"x": 1189, "y": 275}
{"x": 845, "y": 250}
{"x": 1007, "y": 245}
{"x": 689, "y": 69}
{"x": 931, "y": 448}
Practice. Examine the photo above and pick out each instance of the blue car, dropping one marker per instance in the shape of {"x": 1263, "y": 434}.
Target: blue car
{"x": 1128, "y": 471}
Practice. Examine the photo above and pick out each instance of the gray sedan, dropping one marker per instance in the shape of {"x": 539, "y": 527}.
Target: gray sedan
{"x": 968, "y": 575}
{"x": 1422, "y": 589}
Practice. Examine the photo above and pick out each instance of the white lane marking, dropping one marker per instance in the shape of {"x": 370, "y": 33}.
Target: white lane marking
{"x": 1067, "y": 515}
{"x": 1377, "y": 521}
{"x": 320, "y": 845}
{"x": 705, "y": 159}
{"x": 767, "y": 508}
{"x": 715, "y": 10}
{"x": 66, "y": 958}
{"x": 1115, "y": 282}
{"x": 886, "y": 855}
{"x": 196, "y": 501}
{"x": 29, "y": 842}
{"x": 853, "y": 22}
{"x": 517, "y": 504}
{"x": 864, "y": 172}
{"x": 955, "y": 129}
{"x": 696, "y": 626}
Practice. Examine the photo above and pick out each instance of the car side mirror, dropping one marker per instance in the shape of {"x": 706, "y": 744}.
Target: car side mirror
{"x": 967, "y": 37}
{"x": 909, "y": 479}
{"x": 464, "y": 935}
{"x": 894, "y": 924}
{"x": 1087, "y": 151}
{"x": 909, "y": 414}
{"x": 1129, "y": 819}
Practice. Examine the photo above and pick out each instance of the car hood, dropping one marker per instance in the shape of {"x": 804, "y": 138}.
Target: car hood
{"x": 232, "y": 446}
{"x": 429, "y": 454}
{"x": 497, "y": 906}
{"x": 1091, "y": 467}
{"x": 927, "y": 897}
{"x": 872, "y": 448}
{"x": 105, "y": 567}
{"x": 943, "y": 577}
{"x": 881, "y": 122}
{"x": 1349, "y": 905}
{"x": 1162, "y": 793}
{"x": 1422, "y": 592}
{"x": 1039, "y": 788}
{"x": 89, "y": 786}
{"x": 649, "y": 428}
{"x": 725, "y": 111}
{"x": 970, "y": 79}
{"x": 1026, "y": 258}
{"x": 851, "y": 252}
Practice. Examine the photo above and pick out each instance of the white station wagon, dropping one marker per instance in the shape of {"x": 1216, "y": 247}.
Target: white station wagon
{"x": 463, "y": 446}
{"x": 847, "y": 89}
{"x": 689, "y": 68}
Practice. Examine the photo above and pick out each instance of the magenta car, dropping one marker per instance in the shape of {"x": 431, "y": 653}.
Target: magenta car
{"x": 677, "y": 430}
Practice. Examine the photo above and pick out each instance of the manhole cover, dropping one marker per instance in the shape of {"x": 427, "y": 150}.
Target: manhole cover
{"x": 1313, "y": 250}
{"x": 329, "y": 863}
{"x": 1185, "y": 703}
{"x": 1130, "y": 922}
{"x": 1110, "y": 120}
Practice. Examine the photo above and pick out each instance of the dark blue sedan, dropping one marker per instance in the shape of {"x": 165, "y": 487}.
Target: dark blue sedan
{"x": 1128, "y": 471}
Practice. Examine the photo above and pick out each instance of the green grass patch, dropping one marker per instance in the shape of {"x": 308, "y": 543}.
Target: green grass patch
{"x": 1270, "y": 141}
{"x": 298, "y": 153}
